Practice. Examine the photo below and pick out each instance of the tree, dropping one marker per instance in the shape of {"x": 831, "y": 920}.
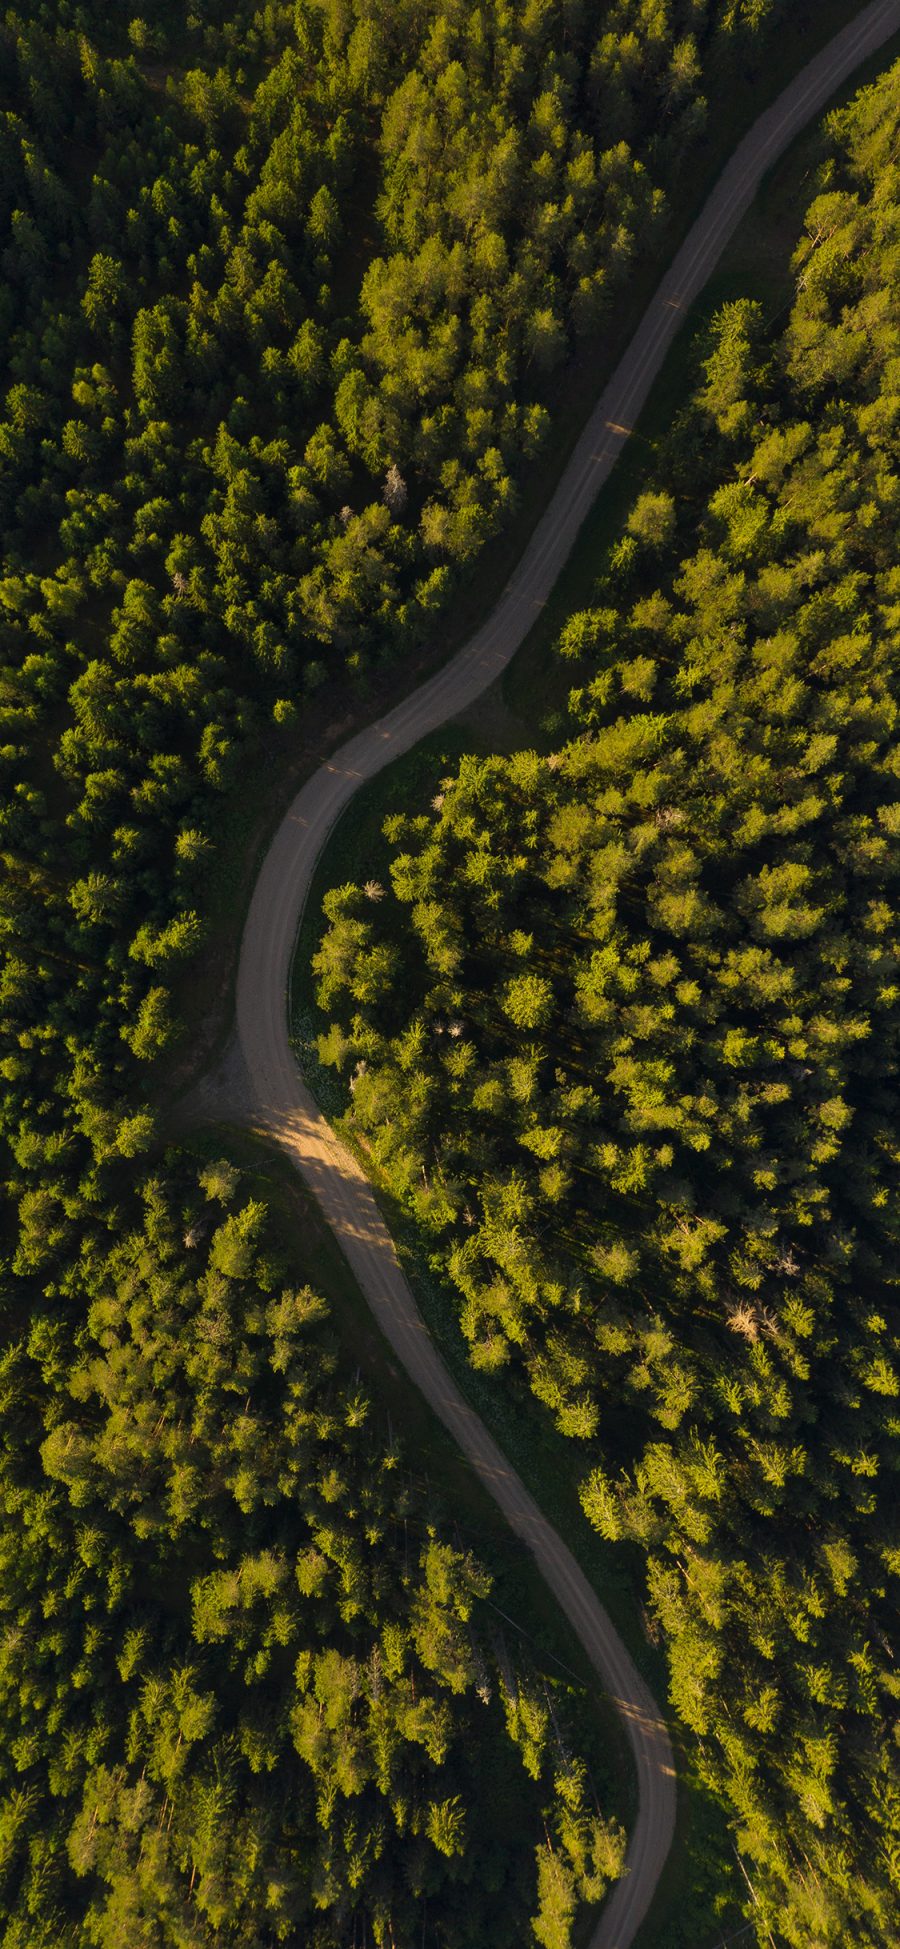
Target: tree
{"x": 106, "y": 295}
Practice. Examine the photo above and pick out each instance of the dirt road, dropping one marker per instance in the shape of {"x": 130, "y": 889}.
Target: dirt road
{"x": 261, "y": 1082}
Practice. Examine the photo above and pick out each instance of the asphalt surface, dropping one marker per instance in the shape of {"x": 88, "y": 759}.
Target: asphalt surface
{"x": 261, "y": 1084}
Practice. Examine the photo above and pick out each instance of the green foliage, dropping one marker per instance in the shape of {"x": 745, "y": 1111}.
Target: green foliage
{"x": 280, "y": 292}
{"x": 639, "y": 1082}
{"x": 250, "y": 1692}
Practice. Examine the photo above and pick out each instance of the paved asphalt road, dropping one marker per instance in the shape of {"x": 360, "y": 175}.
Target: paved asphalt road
{"x": 260, "y": 1082}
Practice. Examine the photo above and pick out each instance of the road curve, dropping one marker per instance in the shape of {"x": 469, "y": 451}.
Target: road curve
{"x": 261, "y": 1083}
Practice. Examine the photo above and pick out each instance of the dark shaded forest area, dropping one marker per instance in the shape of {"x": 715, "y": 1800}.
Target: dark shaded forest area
{"x": 623, "y": 1035}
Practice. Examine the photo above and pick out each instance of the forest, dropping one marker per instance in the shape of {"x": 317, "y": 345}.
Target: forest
{"x": 620, "y": 1029}
{"x": 253, "y": 1690}
{"x": 284, "y": 296}
{"x": 226, "y": 471}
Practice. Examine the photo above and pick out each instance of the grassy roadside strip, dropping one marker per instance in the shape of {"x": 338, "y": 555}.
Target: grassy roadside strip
{"x": 280, "y": 758}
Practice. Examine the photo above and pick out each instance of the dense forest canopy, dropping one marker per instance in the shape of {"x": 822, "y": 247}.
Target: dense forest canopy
{"x": 282, "y": 294}
{"x": 623, "y": 1035}
{"x": 252, "y": 1687}
{"x": 279, "y": 298}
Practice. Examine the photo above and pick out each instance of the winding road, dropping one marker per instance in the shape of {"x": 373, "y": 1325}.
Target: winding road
{"x": 260, "y": 1083}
